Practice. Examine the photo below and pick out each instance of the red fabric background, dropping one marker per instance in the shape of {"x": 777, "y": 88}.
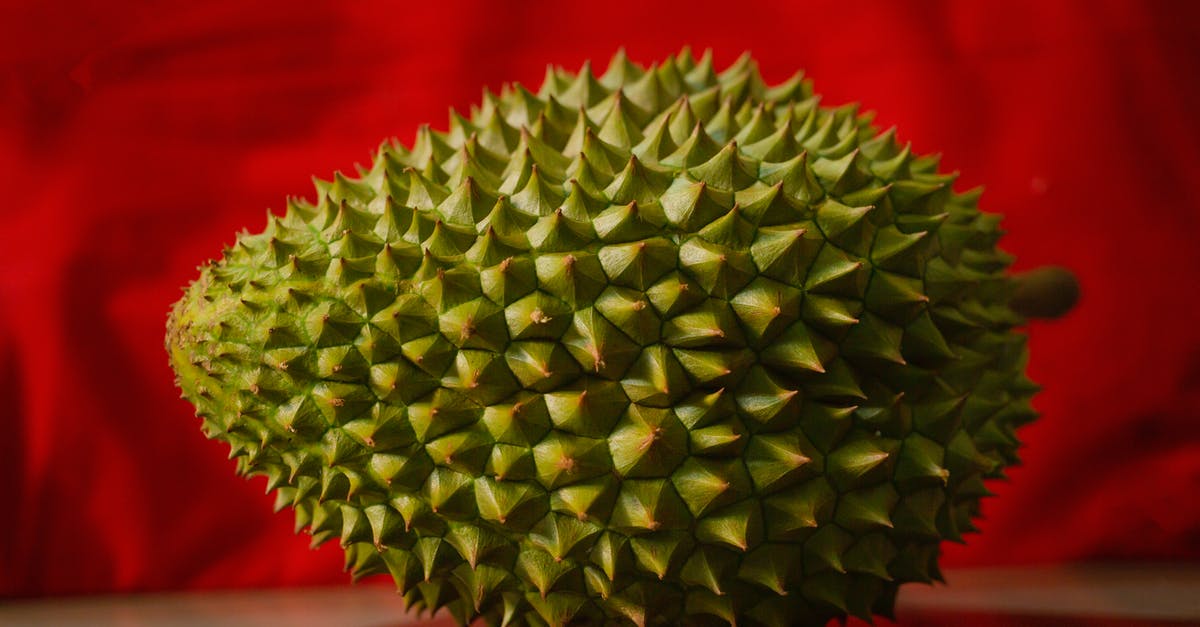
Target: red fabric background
{"x": 134, "y": 141}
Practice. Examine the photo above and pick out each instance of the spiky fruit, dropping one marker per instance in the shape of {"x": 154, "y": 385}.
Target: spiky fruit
{"x": 660, "y": 346}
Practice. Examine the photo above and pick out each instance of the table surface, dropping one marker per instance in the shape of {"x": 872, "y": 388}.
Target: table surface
{"x": 1142, "y": 595}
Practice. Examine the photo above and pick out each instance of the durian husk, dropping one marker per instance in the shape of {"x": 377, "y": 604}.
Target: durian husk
{"x": 657, "y": 346}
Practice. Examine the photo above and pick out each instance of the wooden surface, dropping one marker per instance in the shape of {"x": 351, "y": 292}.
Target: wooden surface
{"x": 1107, "y": 596}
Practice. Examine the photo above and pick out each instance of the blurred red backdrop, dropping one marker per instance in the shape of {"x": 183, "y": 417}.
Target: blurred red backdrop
{"x": 135, "y": 140}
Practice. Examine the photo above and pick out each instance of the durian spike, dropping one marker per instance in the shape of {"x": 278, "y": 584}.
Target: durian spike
{"x": 1047, "y": 292}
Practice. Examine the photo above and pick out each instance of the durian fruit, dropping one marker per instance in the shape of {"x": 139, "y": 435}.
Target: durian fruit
{"x": 658, "y": 346}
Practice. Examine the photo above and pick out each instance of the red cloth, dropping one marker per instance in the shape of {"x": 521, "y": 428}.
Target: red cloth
{"x": 135, "y": 140}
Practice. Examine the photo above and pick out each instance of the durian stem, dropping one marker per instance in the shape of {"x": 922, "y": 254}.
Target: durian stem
{"x": 1046, "y": 292}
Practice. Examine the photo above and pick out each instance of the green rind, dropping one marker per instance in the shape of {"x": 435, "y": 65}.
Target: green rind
{"x": 477, "y": 365}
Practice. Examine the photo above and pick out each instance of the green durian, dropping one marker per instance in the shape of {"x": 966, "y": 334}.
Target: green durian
{"x": 659, "y": 346}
